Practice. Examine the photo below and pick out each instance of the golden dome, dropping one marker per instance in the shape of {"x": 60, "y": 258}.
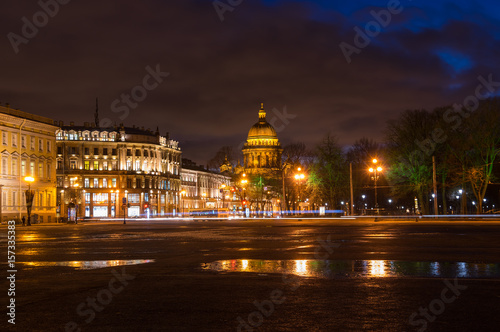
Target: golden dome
{"x": 262, "y": 129}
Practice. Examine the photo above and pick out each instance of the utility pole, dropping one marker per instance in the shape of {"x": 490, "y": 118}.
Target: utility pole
{"x": 434, "y": 184}
{"x": 352, "y": 191}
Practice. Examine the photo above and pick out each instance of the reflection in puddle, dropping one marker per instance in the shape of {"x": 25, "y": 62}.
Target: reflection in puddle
{"x": 358, "y": 268}
{"x": 90, "y": 265}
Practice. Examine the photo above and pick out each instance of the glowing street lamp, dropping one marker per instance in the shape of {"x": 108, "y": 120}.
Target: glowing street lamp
{"x": 376, "y": 170}
{"x": 29, "y": 197}
{"x": 299, "y": 177}
{"x": 183, "y": 193}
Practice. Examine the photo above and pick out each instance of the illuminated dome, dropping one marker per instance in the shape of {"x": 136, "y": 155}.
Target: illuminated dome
{"x": 262, "y": 151}
{"x": 262, "y": 129}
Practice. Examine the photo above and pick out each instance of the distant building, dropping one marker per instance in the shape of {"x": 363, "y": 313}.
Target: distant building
{"x": 27, "y": 148}
{"x": 262, "y": 151}
{"x": 203, "y": 189}
{"x": 98, "y": 169}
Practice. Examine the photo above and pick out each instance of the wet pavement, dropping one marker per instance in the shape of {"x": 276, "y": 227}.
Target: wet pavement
{"x": 271, "y": 275}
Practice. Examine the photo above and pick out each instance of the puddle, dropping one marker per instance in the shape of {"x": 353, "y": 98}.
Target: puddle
{"x": 359, "y": 268}
{"x": 89, "y": 265}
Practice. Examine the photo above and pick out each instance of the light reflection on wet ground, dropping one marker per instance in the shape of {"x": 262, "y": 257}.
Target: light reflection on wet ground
{"x": 359, "y": 268}
{"x": 89, "y": 265}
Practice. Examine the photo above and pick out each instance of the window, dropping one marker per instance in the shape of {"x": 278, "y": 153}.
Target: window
{"x": 23, "y": 168}
{"x": 49, "y": 170}
{"x": 129, "y": 153}
{"x": 49, "y": 199}
{"x": 4, "y": 138}
{"x": 40, "y": 145}
{"x": 113, "y": 152}
{"x": 59, "y": 150}
{"x": 100, "y": 198}
{"x": 86, "y": 165}
{"x": 113, "y": 165}
{"x": 40, "y": 170}
{"x": 14, "y": 196}
{"x": 87, "y": 198}
{"x": 129, "y": 165}
{"x": 86, "y": 150}
{"x": 23, "y": 141}
{"x": 133, "y": 198}
{"x": 86, "y": 183}
{"x": 146, "y": 197}
{"x": 59, "y": 164}
{"x": 96, "y": 151}
{"x": 104, "y": 183}
{"x": 72, "y": 164}
{"x": 96, "y": 165}
{"x": 105, "y": 151}
{"x": 4, "y": 166}
{"x": 59, "y": 181}
{"x": 14, "y": 166}
{"x": 105, "y": 165}
{"x": 96, "y": 183}
{"x": 113, "y": 182}
{"x": 32, "y": 168}
{"x": 32, "y": 143}
{"x": 14, "y": 140}
{"x": 137, "y": 153}
{"x": 49, "y": 146}
{"x": 137, "y": 165}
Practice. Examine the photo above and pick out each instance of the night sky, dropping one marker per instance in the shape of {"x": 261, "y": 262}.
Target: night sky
{"x": 283, "y": 53}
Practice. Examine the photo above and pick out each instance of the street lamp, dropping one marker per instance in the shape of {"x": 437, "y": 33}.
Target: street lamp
{"x": 29, "y": 197}
{"x": 222, "y": 190}
{"x": 183, "y": 193}
{"x": 204, "y": 198}
{"x": 375, "y": 170}
{"x": 299, "y": 177}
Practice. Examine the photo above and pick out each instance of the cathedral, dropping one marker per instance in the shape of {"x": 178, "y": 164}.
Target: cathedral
{"x": 262, "y": 151}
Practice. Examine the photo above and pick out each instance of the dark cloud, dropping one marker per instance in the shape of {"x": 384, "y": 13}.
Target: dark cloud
{"x": 283, "y": 53}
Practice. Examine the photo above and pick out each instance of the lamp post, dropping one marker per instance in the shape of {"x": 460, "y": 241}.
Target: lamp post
{"x": 183, "y": 193}
{"x": 76, "y": 202}
{"x": 29, "y": 197}
{"x": 204, "y": 198}
{"x": 222, "y": 190}
{"x": 375, "y": 170}
{"x": 244, "y": 182}
{"x": 299, "y": 177}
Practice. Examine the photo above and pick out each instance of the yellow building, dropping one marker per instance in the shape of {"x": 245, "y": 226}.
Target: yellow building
{"x": 100, "y": 168}
{"x": 27, "y": 148}
{"x": 262, "y": 151}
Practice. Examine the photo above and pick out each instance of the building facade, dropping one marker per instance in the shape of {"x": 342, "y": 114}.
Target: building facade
{"x": 27, "y": 148}
{"x": 202, "y": 189}
{"x": 116, "y": 172}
